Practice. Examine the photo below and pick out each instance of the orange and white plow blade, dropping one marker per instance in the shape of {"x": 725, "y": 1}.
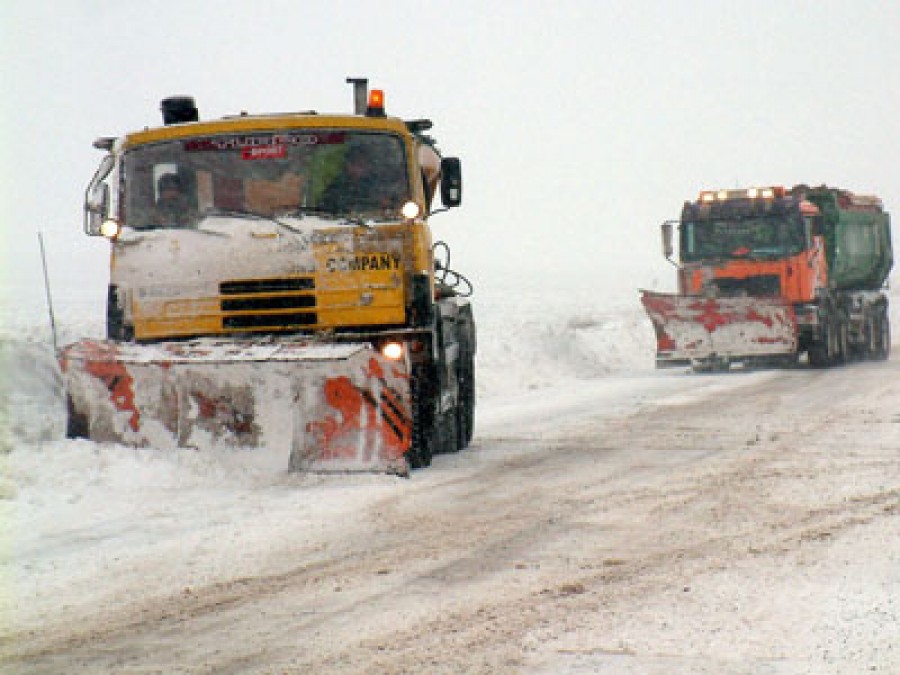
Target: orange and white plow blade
{"x": 330, "y": 407}
{"x": 690, "y": 328}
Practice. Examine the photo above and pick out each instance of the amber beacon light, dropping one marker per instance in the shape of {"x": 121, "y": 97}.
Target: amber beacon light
{"x": 375, "y": 107}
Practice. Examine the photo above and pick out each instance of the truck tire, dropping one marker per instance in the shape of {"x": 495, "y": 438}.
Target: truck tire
{"x": 831, "y": 350}
{"x": 869, "y": 347}
{"x": 842, "y": 347}
{"x": 465, "y": 407}
{"x": 882, "y": 337}
{"x": 449, "y": 432}
{"x": 821, "y": 351}
{"x": 817, "y": 356}
{"x": 424, "y": 441}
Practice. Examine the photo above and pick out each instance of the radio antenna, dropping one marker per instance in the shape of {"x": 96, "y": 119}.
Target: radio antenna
{"x": 47, "y": 290}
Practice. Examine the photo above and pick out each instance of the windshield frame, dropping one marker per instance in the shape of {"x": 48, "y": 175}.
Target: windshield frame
{"x": 269, "y": 173}
{"x": 741, "y": 236}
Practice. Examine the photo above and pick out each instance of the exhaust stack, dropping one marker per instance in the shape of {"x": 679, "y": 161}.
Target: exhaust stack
{"x": 360, "y": 94}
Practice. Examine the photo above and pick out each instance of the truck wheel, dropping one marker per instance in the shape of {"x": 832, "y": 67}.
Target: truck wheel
{"x": 870, "y": 341}
{"x": 425, "y": 420}
{"x": 465, "y": 408}
{"x": 835, "y": 343}
{"x": 842, "y": 353}
{"x": 882, "y": 338}
{"x": 818, "y": 358}
{"x": 820, "y": 351}
{"x": 449, "y": 440}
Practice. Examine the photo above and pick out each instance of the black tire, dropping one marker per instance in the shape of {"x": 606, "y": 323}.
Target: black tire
{"x": 842, "y": 351}
{"x": 882, "y": 338}
{"x": 817, "y": 356}
{"x": 424, "y": 440}
{"x": 831, "y": 350}
{"x": 869, "y": 347}
{"x": 449, "y": 434}
{"x": 819, "y": 352}
{"x": 465, "y": 407}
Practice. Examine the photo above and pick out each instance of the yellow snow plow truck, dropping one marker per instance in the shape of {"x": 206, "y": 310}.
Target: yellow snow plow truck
{"x": 273, "y": 282}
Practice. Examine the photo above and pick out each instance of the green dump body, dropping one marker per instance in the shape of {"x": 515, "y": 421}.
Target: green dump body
{"x": 857, "y": 239}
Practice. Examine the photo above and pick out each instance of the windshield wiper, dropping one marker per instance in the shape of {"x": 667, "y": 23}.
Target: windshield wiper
{"x": 313, "y": 211}
{"x": 352, "y": 218}
{"x": 250, "y": 215}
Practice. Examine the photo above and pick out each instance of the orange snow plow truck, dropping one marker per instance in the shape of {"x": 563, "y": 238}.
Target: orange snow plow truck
{"x": 273, "y": 282}
{"x": 768, "y": 274}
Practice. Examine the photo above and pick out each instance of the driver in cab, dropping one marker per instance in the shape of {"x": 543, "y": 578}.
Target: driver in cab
{"x": 172, "y": 208}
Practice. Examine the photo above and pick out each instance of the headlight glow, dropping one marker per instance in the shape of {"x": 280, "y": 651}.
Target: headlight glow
{"x": 110, "y": 229}
{"x": 392, "y": 351}
{"x": 410, "y": 210}
{"x": 709, "y": 196}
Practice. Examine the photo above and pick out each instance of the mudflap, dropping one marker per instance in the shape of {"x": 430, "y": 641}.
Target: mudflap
{"x": 692, "y": 329}
{"x": 328, "y": 407}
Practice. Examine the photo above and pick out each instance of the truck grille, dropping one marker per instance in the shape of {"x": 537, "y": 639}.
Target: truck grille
{"x": 267, "y": 285}
{"x": 759, "y": 286}
{"x": 268, "y": 304}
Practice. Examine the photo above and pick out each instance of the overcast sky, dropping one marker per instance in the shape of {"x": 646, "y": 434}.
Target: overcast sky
{"x": 581, "y": 125}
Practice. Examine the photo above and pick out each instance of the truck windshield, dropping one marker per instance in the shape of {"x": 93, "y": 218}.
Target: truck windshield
{"x": 337, "y": 173}
{"x": 754, "y": 237}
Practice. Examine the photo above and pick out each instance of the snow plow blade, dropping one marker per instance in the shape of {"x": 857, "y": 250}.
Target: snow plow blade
{"x": 698, "y": 330}
{"x": 329, "y": 407}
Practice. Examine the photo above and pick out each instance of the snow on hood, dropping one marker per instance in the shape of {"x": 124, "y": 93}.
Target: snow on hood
{"x": 221, "y": 247}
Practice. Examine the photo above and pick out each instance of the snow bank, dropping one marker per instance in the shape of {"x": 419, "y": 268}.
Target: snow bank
{"x": 532, "y": 340}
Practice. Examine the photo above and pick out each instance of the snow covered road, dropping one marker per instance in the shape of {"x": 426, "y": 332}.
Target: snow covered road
{"x": 730, "y": 523}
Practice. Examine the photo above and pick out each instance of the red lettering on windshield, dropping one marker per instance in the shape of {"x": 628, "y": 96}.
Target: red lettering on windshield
{"x": 264, "y": 152}
{"x": 282, "y": 140}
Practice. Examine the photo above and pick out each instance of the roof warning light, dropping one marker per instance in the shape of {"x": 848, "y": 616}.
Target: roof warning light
{"x": 376, "y": 103}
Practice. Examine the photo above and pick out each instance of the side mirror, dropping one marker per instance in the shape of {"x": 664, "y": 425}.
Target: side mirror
{"x": 668, "y": 248}
{"x": 451, "y": 182}
{"x": 96, "y": 207}
{"x": 96, "y": 198}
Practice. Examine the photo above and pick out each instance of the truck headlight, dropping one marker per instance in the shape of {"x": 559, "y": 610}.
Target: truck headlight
{"x": 410, "y": 210}
{"x": 392, "y": 350}
{"x": 110, "y": 229}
